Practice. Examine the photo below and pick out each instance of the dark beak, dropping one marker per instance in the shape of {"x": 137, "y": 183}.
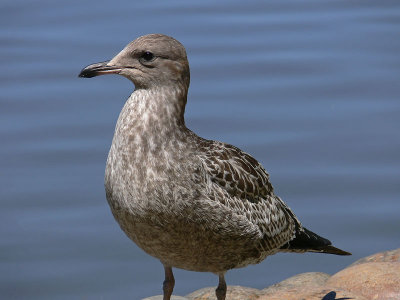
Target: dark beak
{"x": 99, "y": 69}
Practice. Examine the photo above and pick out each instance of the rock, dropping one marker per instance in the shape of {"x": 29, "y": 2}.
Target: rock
{"x": 310, "y": 286}
{"x": 233, "y": 293}
{"x": 375, "y": 277}
{"x": 372, "y": 280}
{"x": 160, "y": 297}
{"x": 299, "y": 282}
{"x": 314, "y": 293}
{"x": 386, "y": 256}
{"x": 307, "y": 286}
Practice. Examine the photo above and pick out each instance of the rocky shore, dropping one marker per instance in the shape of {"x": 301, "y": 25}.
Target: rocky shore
{"x": 375, "y": 277}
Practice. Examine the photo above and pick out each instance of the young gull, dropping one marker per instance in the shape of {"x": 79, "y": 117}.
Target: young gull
{"x": 193, "y": 203}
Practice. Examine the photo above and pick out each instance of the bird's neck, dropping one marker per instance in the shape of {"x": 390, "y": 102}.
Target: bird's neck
{"x": 157, "y": 112}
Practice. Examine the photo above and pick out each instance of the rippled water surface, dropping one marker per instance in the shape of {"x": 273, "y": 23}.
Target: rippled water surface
{"x": 310, "y": 88}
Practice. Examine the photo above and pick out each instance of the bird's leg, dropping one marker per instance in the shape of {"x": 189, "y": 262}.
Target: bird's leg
{"x": 220, "y": 292}
{"x": 169, "y": 283}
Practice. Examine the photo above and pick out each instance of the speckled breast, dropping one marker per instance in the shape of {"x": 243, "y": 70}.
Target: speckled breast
{"x": 189, "y": 243}
{"x": 182, "y": 228}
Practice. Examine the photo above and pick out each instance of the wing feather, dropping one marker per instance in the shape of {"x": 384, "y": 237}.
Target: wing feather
{"x": 248, "y": 191}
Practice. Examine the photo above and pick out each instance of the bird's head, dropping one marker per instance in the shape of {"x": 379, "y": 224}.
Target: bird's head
{"x": 152, "y": 60}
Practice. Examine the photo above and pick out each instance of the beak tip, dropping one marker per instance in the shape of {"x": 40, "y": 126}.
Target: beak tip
{"x": 85, "y": 74}
{"x": 93, "y": 70}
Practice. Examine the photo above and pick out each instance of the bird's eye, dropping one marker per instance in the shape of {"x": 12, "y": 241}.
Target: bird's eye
{"x": 147, "y": 56}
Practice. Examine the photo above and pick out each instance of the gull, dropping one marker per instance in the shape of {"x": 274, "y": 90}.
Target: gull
{"x": 192, "y": 203}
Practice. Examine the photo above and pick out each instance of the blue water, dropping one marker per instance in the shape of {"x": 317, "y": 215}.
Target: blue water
{"x": 310, "y": 88}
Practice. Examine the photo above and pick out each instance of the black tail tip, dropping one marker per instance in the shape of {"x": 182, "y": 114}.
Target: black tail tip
{"x": 333, "y": 250}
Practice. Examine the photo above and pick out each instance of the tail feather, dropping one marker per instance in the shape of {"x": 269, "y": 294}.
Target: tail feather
{"x": 332, "y": 250}
{"x": 308, "y": 241}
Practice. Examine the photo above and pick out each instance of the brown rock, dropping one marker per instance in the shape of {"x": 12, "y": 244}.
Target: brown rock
{"x": 233, "y": 293}
{"x": 299, "y": 282}
{"x": 160, "y": 297}
{"x": 375, "y": 280}
{"x": 314, "y": 293}
{"x": 386, "y": 256}
{"x": 376, "y": 277}
{"x": 307, "y": 286}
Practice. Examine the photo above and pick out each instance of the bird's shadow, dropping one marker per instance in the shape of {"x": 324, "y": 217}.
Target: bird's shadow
{"x": 332, "y": 296}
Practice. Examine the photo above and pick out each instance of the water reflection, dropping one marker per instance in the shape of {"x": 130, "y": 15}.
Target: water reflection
{"x": 310, "y": 89}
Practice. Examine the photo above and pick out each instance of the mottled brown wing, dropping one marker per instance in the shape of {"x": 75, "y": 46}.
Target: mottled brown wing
{"x": 240, "y": 174}
{"x": 250, "y": 192}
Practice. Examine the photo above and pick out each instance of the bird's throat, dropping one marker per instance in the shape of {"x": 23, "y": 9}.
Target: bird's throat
{"x": 151, "y": 117}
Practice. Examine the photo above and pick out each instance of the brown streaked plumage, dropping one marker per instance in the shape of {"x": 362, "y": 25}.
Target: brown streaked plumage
{"x": 192, "y": 203}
